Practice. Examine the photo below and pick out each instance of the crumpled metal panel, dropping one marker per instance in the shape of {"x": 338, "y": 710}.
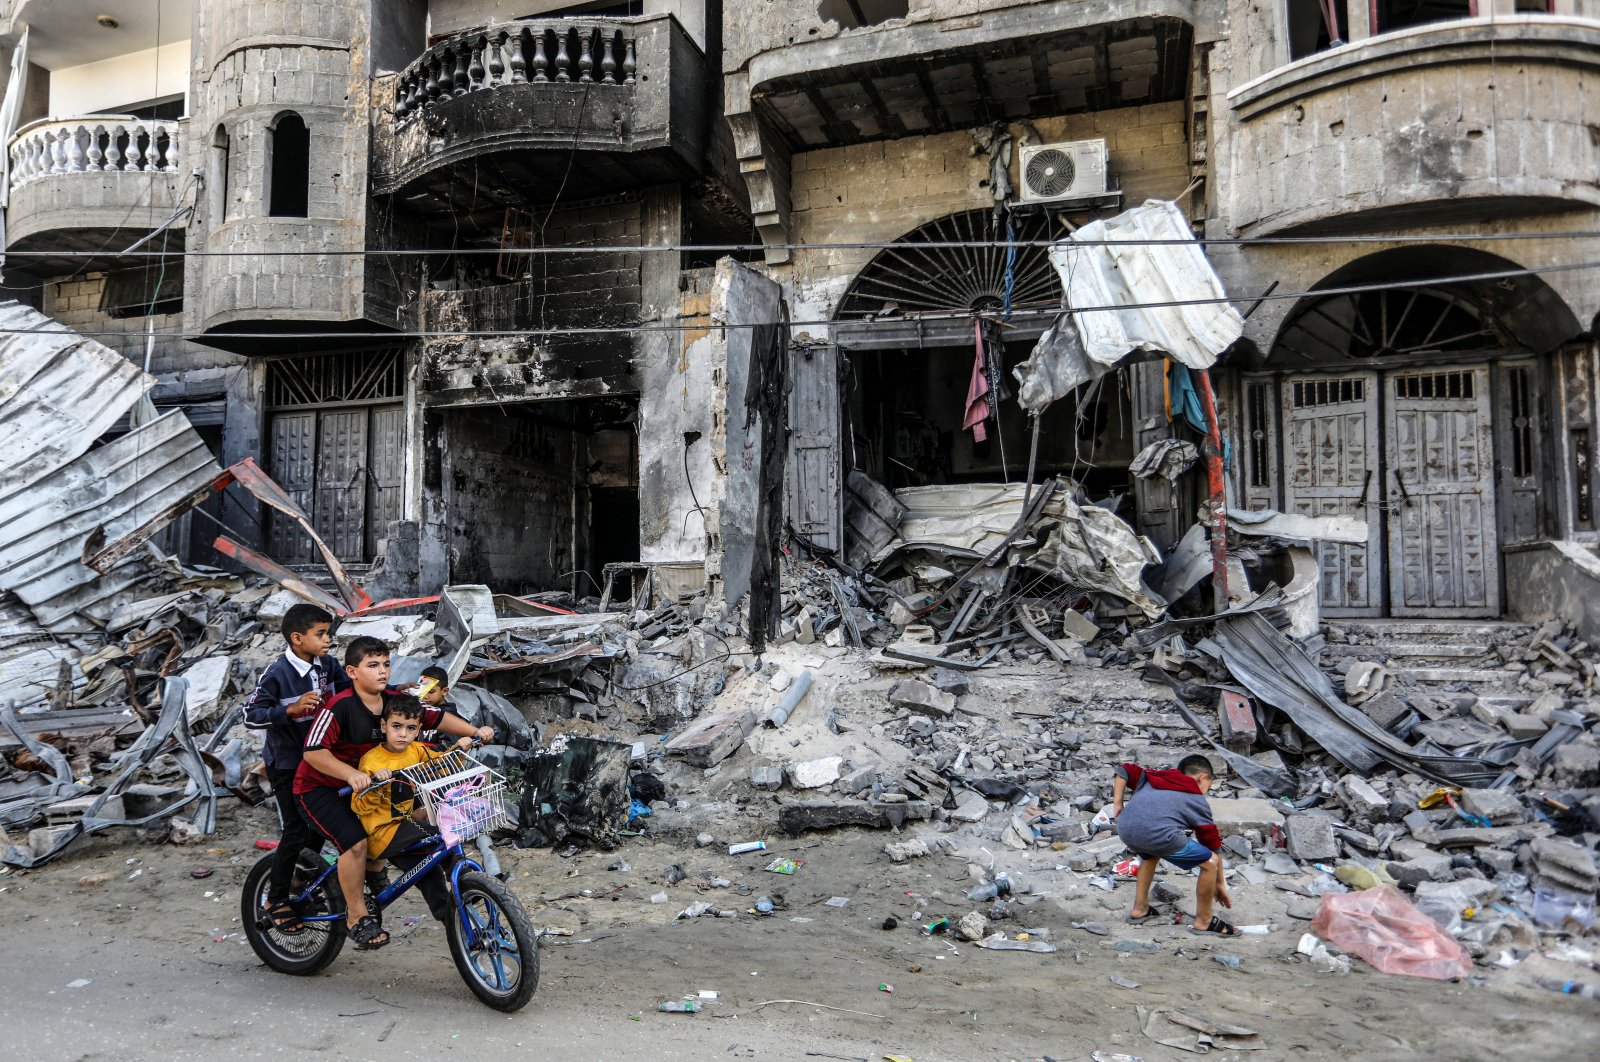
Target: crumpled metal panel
{"x": 113, "y": 489}
{"x": 59, "y": 392}
{"x": 1144, "y": 278}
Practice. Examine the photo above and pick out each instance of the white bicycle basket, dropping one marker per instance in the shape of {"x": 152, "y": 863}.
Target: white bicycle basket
{"x": 462, "y": 797}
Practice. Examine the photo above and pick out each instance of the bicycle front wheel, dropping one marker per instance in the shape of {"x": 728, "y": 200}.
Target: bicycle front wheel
{"x": 493, "y": 942}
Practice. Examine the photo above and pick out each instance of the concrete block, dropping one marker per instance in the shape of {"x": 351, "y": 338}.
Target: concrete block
{"x": 1524, "y": 727}
{"x": 766, "y": 776}
{"x": 814, "y": 774}
{"x": 1076, "y": 625}
{"x": 1238, "y": 721}
{"x": 1500, "y": 806}
{"x": 947, "y": 680}
{"x": 1431, "y": 866}
{"x": 1363, "y": 801}
{"x": 1310, "y": 837}
{"x": 859, "y": 778}
{"x": 1386, "y": 709}
{"x": 917, "y": 696}
{"x": 714, "y": 739}
{"x": 1239, "y": 814}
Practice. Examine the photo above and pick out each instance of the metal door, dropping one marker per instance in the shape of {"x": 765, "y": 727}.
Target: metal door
{"x": 292, "y": 461}
{"x": 1443, "y": 552}
{"x": 340, "y": 514}
{"x": 816, "y": 465}
{"x": 386, "y": 474}
{"x": 1332, "y": 457}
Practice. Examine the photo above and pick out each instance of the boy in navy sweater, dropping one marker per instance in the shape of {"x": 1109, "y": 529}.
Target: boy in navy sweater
{"x": 1155, "y": 812}
{"x": 291, "y": 691}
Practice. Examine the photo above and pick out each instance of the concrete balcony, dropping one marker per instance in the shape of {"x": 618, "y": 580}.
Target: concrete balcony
{"x": 95, "y": 183}
{"x": 949, "y": 66}
{"x": 1456, "y": 121}
{"x": 597, "y": 104}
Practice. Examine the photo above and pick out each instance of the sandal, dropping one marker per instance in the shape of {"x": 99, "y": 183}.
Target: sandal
{"x": 377, "y": 881}
{"x": 285, "y": 919}
{"x": 366, "y": 933}
{"x": 1139, "y": 920}
{"x": 1217, "y": 927}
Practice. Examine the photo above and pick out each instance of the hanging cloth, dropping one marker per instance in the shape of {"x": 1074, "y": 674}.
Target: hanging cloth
{"x": 977, "y": 390}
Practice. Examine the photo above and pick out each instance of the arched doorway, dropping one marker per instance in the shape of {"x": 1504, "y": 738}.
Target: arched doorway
{"x": 1416, "y": 403}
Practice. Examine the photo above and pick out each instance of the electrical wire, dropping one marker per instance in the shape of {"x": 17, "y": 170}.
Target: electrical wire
{"x": 869, "y": 245}
{"x": 1036, "y": 315}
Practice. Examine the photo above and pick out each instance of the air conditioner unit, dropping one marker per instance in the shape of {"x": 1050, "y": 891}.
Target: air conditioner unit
{"x": 1055, "y": 173}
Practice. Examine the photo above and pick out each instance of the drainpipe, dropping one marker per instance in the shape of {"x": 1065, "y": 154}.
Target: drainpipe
{"x": 1219, "y": 494}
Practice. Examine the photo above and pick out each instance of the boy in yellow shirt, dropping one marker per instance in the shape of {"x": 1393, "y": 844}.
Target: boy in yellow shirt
{"x": 393, "y": 821}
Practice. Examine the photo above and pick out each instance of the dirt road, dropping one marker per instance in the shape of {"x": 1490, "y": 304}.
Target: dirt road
{"x": 171, "y": 977}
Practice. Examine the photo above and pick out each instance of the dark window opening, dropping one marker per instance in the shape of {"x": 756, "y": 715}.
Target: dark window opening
{"x": 850, "y": 14}
{"x": 1434, "y": 385}
{"x": 1316, "y": 25}
{"x": 1256, "y": 423}
{"x": 164, "y": 110}
{"x": 1521, "y": 424}
{"x": 1310, "y": 393}
{"x": 906, "y": 409}
{"x": 1397, "y": 14}
{"x": 290, "y": 174}
{"x": 143, "y": 292}
{"x": 1583, "y": 486}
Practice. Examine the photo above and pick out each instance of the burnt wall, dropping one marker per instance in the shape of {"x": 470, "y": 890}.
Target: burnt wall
{"x": 508, "y": 485}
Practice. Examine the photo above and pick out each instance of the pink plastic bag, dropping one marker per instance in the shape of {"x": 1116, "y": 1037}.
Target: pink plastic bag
{"x": 1384, "y": 928}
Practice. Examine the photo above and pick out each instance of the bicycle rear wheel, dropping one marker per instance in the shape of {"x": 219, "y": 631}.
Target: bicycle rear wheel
{"x": 317, "y": 944}
{"x": 501, "y": 963}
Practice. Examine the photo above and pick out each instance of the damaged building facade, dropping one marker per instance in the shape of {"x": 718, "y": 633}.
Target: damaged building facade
{"x": 458, "y": 273}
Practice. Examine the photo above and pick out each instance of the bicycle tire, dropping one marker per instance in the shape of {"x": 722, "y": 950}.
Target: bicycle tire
{"x": 300, "y": 954}
{"x": 492, "y": 904}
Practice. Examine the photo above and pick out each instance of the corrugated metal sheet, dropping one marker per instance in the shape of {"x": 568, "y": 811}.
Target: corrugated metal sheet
{"x": 116, "y": 487}
{"x": 59, "y": 392}
{"x": 1140, "y": 276}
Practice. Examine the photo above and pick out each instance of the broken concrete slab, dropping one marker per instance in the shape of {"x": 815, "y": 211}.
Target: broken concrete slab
{"x": 901, "y": 851}
{"x": 1500, "y": 806}
{"x": 970, "y": 807}
{"x": 814, "y": 774}
{"x": 766, "y": 776}
{"x": 917, "y": 696}
{"x": 1075, "y": 624}
{"x": 1363, "y": 801}
{"x": 208, "y": 682}
{"x": 1428, "y": 866}
{"x": 713, "y": 739}
{"x": 1237, "y": 719}
{"x": 799, "y": 817}
{"x": 950, "y": 681}
{"x": 1234, "y": 815}
{"x": 1524, "y": 727}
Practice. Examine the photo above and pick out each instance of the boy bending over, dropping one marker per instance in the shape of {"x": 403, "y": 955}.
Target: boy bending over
{"x": 1154, "y": 810}
{"x": 346, "y": 729}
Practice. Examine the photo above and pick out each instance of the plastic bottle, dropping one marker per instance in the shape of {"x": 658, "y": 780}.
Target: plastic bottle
{"x": 1000, "y": 886}
{"x": 687, "y": 1006}
{"x": 1566, "y": 988}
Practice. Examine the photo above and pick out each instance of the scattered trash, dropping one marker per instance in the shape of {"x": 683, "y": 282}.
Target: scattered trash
{"x": 685, "y": 1006}
{"x": 886, "y": 988}
{"x": 838, "y": 901}
{"x": 1232, "y": 962}
{"x": 748, "y": 846}
{"x": 1201, "y": 1035}
{"x": 784, "y": 865}
{"x": 200, "y": 872}
{"x": 82, "y": 982}
{"x": 999, "y": 886}
{"x": 891, "y": 923}
{"x": 1123, "y": 982}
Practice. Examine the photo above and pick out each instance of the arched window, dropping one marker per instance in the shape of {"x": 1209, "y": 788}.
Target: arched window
{"x": 219, "y": 175}
{"x": 288, "y": 166}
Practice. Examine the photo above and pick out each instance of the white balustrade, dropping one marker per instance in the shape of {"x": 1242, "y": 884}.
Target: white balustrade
{"x": 97, "y": 143}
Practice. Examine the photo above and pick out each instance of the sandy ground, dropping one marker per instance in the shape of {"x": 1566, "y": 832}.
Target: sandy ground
{"x": 171, "y": 976}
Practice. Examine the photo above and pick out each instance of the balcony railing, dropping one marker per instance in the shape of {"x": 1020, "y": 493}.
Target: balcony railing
{"x": 101, "y": 143}
{"x": 517, "y": 53}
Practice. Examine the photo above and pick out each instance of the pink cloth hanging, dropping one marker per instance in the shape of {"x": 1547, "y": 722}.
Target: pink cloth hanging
{"x": 977, "y": 391}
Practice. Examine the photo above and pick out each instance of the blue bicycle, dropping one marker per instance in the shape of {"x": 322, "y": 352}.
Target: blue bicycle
{"x": 492, "y": 939}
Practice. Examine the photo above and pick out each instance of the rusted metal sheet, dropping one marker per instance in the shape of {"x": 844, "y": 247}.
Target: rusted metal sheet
{"x": 250, "y": 476}
{"x": 109, "y": 491}
{"x": 1335, "y": 469}
{"x": 59, "y": 392}
{"x": 1443, "y": 541}
{"x": 278, "y": 573}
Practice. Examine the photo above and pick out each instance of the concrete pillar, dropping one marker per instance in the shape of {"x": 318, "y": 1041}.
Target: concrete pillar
{"x": 243, "y": 425}
{"x": 1359, "y": 12}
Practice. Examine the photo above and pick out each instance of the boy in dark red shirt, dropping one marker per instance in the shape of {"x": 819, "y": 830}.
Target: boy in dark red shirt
{"x": 1155, "y": 812}
{"x": 347, "y": 727}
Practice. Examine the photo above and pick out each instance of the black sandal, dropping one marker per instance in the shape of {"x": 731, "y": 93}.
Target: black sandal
{"x": 285, "y": 919}
{"x": 377, "y": 881}
{"x": 366, "y": 933}
{"x": 1217, "y": 927}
